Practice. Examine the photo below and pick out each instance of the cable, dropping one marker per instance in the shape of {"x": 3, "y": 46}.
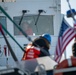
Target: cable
{"x": 12, "y": 37}
{"x": 24, "y": 33}
{"x": 10, "y": 48}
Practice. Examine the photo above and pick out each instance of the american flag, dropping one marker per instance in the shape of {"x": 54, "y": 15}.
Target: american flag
{"x": 66, "y": 34}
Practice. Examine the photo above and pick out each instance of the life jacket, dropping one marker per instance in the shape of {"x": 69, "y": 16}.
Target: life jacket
{"x": 31, "y": 52}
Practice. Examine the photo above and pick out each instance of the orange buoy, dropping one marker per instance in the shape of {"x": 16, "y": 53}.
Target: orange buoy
{"x": 65, "y": 64}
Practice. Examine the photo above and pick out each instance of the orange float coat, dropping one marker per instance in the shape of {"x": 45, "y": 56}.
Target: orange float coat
{"x": 31, "y": 52}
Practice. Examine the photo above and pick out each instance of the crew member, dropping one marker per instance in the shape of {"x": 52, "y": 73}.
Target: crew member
{"x": 37, "y": 47}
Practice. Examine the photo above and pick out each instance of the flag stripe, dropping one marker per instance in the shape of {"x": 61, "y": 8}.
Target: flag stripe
{"x": 67, "y": 41}
{"x": 59, "y": 57}
{"x": 66, "y": 34}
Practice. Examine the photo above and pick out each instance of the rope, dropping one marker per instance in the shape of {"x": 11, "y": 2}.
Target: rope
{"x": 16, "y": 24}
{"x": 12, "y": 37}
{"x": 22, "y": 30}
{"x": 11, "y": 51}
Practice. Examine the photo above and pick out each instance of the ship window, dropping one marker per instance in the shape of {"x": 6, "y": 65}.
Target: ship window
{"x": 3, "y": 22}
{"x": 29, "y": 25}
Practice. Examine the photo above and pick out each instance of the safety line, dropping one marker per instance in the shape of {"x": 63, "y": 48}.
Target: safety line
{"x": 12, "y": 37}
{"x": 10, "y": 48}
{"x": 24, "y": 33}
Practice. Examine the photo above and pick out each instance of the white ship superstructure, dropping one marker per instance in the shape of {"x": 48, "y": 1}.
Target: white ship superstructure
{"x": 42, "y": 16}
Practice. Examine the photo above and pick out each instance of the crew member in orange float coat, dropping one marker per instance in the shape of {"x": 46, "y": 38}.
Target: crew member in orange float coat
{"x": 74, "y": 48}
{"x": 33, "y": 51}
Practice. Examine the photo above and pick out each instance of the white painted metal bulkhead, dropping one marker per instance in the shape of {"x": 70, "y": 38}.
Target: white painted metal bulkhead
{"x": 51, "y": 7}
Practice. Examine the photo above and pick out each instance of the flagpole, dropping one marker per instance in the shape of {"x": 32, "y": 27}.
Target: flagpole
{"x": 65, "y": 54}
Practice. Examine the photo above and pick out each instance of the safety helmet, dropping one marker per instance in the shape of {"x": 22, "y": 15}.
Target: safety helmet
{"x": 47, "y": 37}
